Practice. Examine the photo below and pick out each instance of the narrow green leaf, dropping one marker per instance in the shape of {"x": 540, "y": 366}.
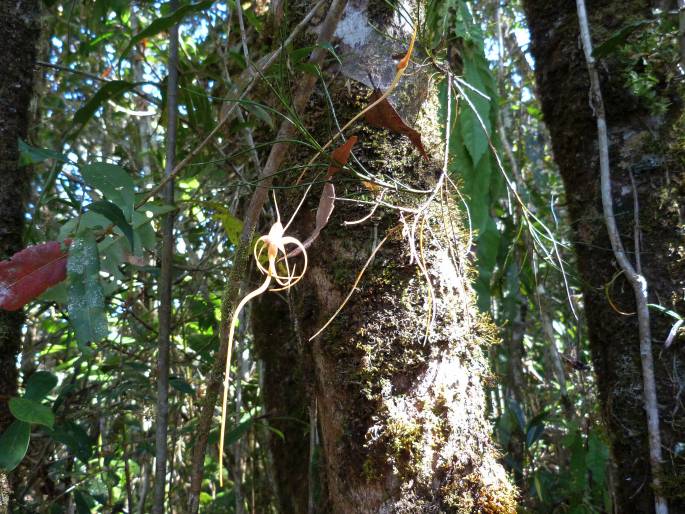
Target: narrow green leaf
{"x": 13, "y": 444}
{"x": 534, "y": 433}
{"x": 33, "y": 155}
{"x": 114, "y": 182}
{"x": 110, "y": 90}
{"x": 518, "y": 414}
{"x": 114, "y": 214}
{"x": 86, "y": 299}
{"x": 232, "y": 226}
{"x": 618, "y": 38}
{"x": 475, "y": 137}
{"x": 164, "y": 23}
{"x": 181, "y": 385}
{"x": 260, "y": 113}
{"x": 241, "y": 429}
{"x": 31, "y": 411}
{"x": 39, "y": 385}
{"x": 596, "y": 458}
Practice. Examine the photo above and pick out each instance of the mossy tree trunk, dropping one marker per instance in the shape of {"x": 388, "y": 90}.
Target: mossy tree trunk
{"x": 401, "y": 418}
{"x": 646, "y": 140}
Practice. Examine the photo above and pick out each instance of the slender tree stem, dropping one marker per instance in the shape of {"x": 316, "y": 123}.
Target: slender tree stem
{"x": 634, "y": 277}
{"x": 165, "y": 280}
{"x": 230, "y": 299}
{"x": 681, "y": 34}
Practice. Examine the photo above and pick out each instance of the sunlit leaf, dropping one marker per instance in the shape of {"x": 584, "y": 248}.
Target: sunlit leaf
{"x": 114, "y": 182}
{"x": 31, "y": 411}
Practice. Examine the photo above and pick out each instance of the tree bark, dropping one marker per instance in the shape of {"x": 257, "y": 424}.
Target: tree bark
{"x": 402, "y": 419}
{"x": 20, "y": 30}
{"x": 643, "y": 143}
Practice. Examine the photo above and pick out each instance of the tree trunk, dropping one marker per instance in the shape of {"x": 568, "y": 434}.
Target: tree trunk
{"x": 20, "y": 30}
{"x": 402, "y": 419}
{"x": 19, "y": 27}
{"x": 643, "y": 137}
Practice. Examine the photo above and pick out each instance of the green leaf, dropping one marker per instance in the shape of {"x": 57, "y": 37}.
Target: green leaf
{"x": 534, "y": 433}
{"x": 32, "y": 155}
{"x": 14, "y": 442}
{"x": 86, "y": 299}
{"x": 84, "y": 502}
{"x": 517, "y": 412}
{"x": 181, "y": 385}
{"x": 110, "y": 90}
{"x": 538, "y": 487}
{"x": 241, "y": 429}
{"x": 57, "y": 294}
{"x": 114, "y": 214}
{"x": 596, "y": 458}
{"x": 618, "y": 38}
{"x": 252, "y": 20}
{"x": 39, "y": 385}
{"x": 114, "y": 182}
{"x": 164, "y": 23}
{"x": 259, "y": 112}
{"x": 157, "y": 209}
{"x": 578, "y": 469}
{"x": 75, "y": 439}
{"x": 475, "y": 137}
{"x": 232, "y": 226}
{"x": 31, "y": 411}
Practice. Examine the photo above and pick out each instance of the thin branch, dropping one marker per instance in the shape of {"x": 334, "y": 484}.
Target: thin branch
{"x": 165, "y": 281}
{"x": 636, "y": 279}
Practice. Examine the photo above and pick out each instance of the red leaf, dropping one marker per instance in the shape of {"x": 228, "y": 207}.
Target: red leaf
{"x": 340, "y": 156}
{"x": 385, "y": 116}
{"x": 30, "y": 272}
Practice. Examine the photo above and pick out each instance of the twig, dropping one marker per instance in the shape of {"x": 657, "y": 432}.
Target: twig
{"x": 273, "y": 163}
{"x": 636, "y": 279}
{"x": 165, "y": 281}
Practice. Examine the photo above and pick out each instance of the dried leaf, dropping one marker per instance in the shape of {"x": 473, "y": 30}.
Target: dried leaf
{"x": 30, "y": 272}
{"x": 323, "y": 214}
{"x": 340, "y": 156}
{"x": 385, "y": 116}
{"x": 371, "y": 186}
